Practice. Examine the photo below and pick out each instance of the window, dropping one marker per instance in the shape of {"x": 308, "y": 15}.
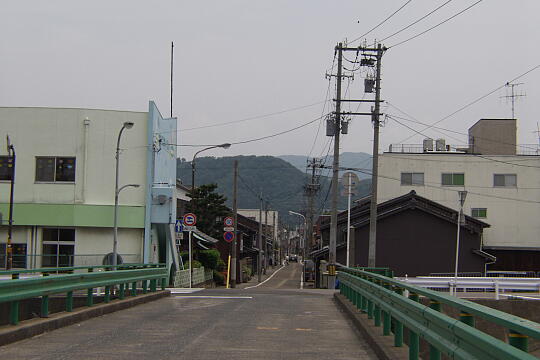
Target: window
{"x": 58, "y": 247}
{"x": 6, "y": 167}
{"x": 453, "y": 179}
{"x": 479, "y": 213}
{"x": 505, "y": 180}
{"x": 408, "y": 178}
{"x": 55, "y": 169}
{"x": 19, "y": 256}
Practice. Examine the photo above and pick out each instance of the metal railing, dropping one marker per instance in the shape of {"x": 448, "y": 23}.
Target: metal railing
{"x": 16, "y": 290}
{"x": 382, "y": 298}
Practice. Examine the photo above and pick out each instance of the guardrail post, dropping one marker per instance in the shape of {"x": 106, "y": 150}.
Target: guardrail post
{"x": 414, "y": 341}
{"x": 69, "y": 301}
{"x": 370, "y": 309}
{"x": 134, "y": 288}
{"x": 45, "y": 306}
{"x": 364, "y": 304}
{"x": 163, "y": 283}
{"x": 377, "y": 314}
{"x": 434, "y": 353}
{"x": 14, "y": 313}
{"x": 398, "y": 327}
{"x": 122, "y": 293}
{"x": 153, "y": 285}
{"x": 518, "y": 340}
{"x": 144, "y": 286}
{"x": 466, "y": 318}
{"x": 386, "y": 317}
{"x": 90, "y": 297}
{"x": 107, "y": 297}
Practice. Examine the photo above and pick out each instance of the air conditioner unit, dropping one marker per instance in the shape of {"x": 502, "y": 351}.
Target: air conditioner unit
{"x": 440, "y": 145}
{"x": 427, "y": 144}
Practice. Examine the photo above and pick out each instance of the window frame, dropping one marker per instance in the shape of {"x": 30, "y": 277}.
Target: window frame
{"x": 55, "y": 173}
{"x": 412, "y": 175}
{"x": 452, "y": 174}
{"x": 7, "y": 162}
{"x": 478, "y": 215}
{"x": 504, "y": 176}
{"x": 57, "y": 244}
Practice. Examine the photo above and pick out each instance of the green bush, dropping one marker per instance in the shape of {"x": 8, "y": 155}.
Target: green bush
{"x": 247, "y": 270}
{"x": 196, "y": 264}
{"x": 209, "y": 258}
{"x": 221, "y": 266}
{"x": 219, "y": 278}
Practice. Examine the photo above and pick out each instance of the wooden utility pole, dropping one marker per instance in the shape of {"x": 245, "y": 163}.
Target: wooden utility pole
{"x": 266, "y": 257}
{"x": 311, "y": 190}
{"x": 235, "y": 219}
{"x": 259, "y": 259}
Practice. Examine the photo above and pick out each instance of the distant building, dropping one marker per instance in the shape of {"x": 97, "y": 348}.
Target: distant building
{"x": 65, "y": 180}
{"x": 501, "y": 178}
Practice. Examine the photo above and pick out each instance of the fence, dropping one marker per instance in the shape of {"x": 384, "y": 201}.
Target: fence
{"x": 15, "y": 290}
{"x": 199, "y": 276}
{"x": 382, "y": 298}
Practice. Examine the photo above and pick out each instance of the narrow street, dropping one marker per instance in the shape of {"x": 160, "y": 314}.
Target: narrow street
{"x": 275, "y": 320}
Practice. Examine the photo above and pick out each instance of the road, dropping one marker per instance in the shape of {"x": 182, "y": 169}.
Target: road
{"x": 275, "y": 320}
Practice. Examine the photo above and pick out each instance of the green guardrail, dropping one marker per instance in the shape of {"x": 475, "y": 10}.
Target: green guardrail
{"x": 13, "y": 291}
{"x": 382, "y": 299}
{"x": 15, "y": 274}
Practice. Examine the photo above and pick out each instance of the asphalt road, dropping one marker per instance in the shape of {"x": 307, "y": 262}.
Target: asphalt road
{"x": 275, "y": 320}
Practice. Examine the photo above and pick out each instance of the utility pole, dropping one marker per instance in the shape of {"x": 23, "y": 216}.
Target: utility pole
{"x": 259, "y": 259}
{"x": 274, "y": 237}
{"x": 335, "y": 175}
{"x": 172, "y": 58}
{"x": 372, "y": 247}
{"x": 235, "y": 219}
{"x": 9, "y": 245}
{"x": 266, "y": 257}
{"x": 311, "y": 190}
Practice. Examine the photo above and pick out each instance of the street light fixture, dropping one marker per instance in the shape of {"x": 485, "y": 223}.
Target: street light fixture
{"x": 460, "y": 221}
{"x": 127, "y": 125}
{"x": 305, "y": 232}
{"x": 224, "y": 146}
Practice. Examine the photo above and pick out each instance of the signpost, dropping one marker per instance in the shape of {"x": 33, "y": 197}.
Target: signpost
{"x": 189, "y": 221}
{"x": 228, "y": 236}
{"x": 349, "y": 181}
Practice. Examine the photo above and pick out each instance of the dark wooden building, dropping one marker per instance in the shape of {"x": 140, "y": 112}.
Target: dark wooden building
{"x": 415, "y": 236}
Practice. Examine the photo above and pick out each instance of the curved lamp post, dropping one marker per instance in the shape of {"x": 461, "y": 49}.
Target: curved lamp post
{"x": 127, "y": 125}
{"x": 224, "y": 146}
{"x": 305, "y": 231}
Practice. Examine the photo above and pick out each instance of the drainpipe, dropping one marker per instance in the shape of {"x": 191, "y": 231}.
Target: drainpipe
{"x": 82, "y": 191}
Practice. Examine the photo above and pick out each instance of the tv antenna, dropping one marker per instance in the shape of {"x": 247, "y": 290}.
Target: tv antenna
{"x": 513, "y": 96}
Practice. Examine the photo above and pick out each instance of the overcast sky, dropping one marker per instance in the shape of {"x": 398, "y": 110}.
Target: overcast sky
{"x": 242, "y": 59}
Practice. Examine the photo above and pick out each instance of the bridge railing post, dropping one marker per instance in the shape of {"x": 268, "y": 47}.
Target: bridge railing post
{"x": 414, "y": 340}
{"x": 434, "y": 353}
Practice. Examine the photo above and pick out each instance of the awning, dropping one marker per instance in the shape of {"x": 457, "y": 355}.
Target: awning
{"x": 199, "y": 235}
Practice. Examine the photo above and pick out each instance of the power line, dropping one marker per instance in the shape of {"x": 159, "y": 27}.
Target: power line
{"x": 382, "y": 22}
{"x": 436, "y": 26}
{"x": 417, "y": 21}
{"x": 476, "y": 100}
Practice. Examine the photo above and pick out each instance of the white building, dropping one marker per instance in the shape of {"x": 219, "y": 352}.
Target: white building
{"x": 502, "y": 189}
{"x": 65, "y": 181}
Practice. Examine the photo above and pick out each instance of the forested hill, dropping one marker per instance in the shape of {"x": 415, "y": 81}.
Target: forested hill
{"x": 280, "y": 182}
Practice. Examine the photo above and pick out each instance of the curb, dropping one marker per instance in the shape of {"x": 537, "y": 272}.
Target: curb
{"x": 382, "y": 346}
{"x": 29, "y": 328}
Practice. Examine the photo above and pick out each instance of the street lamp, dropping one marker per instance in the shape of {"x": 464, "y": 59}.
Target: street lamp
{"x": 127, "y": 125}
{"x": 305, "y": 231}
{"x": 224, "y": 146}
{"x": 460, "y": 221}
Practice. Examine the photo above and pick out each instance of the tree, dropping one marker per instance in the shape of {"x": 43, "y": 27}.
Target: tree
{"x": 208, "y": 205}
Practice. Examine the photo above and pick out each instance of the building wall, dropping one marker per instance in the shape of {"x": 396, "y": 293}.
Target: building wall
{"x": 493, "y": 137}
{"x": 512, "y": 212}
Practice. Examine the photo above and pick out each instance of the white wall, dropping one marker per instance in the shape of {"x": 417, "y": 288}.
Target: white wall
{"x": 512, "y": 212}
{"x": 60, "y": 132}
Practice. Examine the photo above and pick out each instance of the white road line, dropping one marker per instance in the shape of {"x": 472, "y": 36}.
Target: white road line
{"x": 184, "y": 290}
{"x": 271, "y": 276}
{"x": 213, "y": 297}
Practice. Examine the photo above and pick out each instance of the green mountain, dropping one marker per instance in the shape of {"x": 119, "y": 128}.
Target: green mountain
{"x": 281, "y": 183}
{"x": 358, "y": 160}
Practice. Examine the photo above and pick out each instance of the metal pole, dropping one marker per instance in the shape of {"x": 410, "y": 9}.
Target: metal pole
{"x": 9, "y": 246}
{"x": 190, "y": 260}
{"x": 259, "y": 259}
{"x": 372, "y": 247}
{"x": 266, "y": 257}
{"x": 335, "y": 175}
{"x": 235, "y": 218}
{"x": 115, "y": 221}
{"x": 462, "y": 196}
{"x": 349, "y": 193}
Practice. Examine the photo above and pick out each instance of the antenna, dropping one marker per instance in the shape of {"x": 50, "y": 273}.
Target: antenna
{"x": 513, "y": 95}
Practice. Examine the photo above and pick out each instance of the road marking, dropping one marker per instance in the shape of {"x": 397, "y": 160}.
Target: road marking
{"x": 184, "y": 290}
{"x": 271, "y": 276}
{"x": 300, "y": 329}
{"x": 266, "y": 328}
{"x": 213, "y": 297}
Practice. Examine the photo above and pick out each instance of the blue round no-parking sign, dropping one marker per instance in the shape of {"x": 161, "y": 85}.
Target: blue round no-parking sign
{"x": 228, "y": 236}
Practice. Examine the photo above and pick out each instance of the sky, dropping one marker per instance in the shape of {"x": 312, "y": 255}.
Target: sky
{"x": 260, "y": 66}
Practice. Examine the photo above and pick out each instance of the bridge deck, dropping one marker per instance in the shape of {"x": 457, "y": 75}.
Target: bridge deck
{"x": 273, "y": 321}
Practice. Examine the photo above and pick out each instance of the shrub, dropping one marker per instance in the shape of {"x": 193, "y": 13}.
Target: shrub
{"x": 196, "y": 264}
{"x": 209, "y": 258}
{"x": 219, "y": 278}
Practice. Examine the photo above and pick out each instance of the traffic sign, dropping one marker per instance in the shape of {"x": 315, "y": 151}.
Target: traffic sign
{"x": 228, "y": 236}
{"x": 178, "y": 227}
{"x": 190, "y": 228}
{"x": 190, "y": 219}
{"x": 350, "y": 181}
{"x": 228, "y": 228}
{"x": 228, "y": 221}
